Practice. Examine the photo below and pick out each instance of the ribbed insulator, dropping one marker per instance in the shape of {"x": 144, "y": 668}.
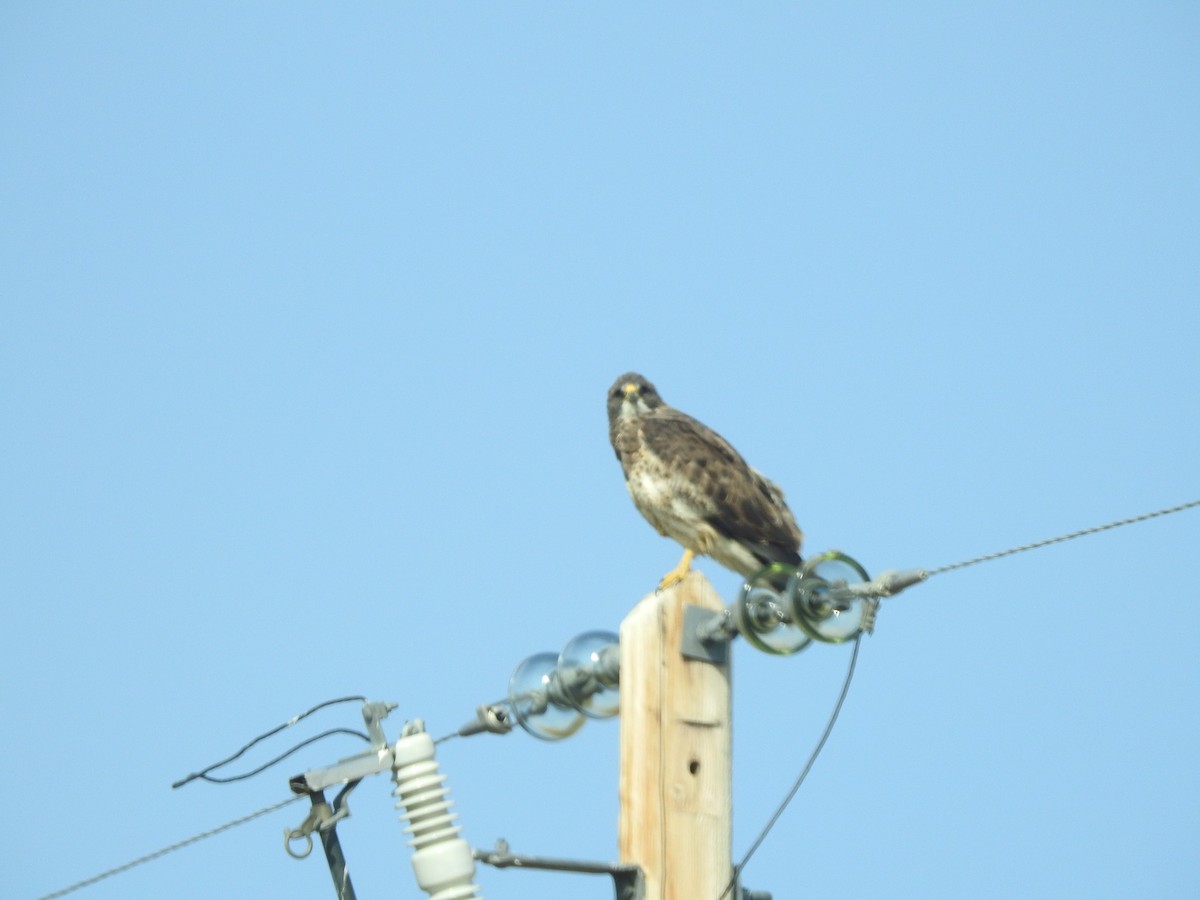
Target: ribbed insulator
{"x": 442, "y": 860}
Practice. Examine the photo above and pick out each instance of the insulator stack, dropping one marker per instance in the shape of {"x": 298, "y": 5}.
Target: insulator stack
{"x": 442, "y": 861}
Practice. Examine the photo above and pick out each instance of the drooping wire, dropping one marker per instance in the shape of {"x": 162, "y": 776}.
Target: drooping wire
{"x": 203, "y": 773}
{"x": 812, "y": 758}
{"x": 988, "y": 557}
{"x": 171, "y": 849}
{"x": 216, "y": 779}
{"x": 854, "y": 657}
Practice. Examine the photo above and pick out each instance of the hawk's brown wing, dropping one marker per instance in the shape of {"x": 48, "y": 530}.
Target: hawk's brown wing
{"x": 735, "y": 498}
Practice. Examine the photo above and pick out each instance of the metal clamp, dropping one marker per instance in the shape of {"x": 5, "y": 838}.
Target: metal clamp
{"x": 317, "y": 816}
{"x": 322, "y": 817}
{"x": 707, "y": 633}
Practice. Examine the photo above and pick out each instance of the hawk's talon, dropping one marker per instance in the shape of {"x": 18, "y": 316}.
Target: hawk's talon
{"x": 678, "y": 573}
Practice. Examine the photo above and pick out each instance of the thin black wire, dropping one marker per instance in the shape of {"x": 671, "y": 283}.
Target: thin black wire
{"x": 812, "y": 758}
{"x": 1064, "y": 537}
{"x": 171, "y": 849}
{"x": 203, "y": 773}
{"x": 216, "y": 779}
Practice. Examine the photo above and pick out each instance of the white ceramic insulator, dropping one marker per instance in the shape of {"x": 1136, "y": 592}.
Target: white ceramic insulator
{"x": 441, "y": 860}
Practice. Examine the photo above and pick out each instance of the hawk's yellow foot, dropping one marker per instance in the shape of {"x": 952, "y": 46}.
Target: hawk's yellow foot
{"x": 678, "y": 573}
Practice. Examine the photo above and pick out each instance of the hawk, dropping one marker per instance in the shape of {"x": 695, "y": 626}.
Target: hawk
{"x": 693, "y": 487}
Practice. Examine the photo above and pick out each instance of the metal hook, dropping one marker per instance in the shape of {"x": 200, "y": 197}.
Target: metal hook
{"x": 316, "y": 818}
{"x": 289, "y": 836}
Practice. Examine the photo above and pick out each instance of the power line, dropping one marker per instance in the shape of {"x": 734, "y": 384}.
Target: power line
{"x": 171, "y": 849}
{"x": 204, "y": 774}
{"x": 737, "y": 870}
{"x": 1064, "y": 537}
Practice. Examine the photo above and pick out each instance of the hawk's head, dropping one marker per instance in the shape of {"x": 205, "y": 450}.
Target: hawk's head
{"x": 631, "y": 395}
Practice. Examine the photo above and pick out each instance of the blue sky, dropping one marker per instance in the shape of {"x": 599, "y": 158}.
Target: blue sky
{"x": 308, "y": 316}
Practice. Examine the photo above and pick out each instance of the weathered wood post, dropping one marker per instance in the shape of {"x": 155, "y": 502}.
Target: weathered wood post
{"x": 676, "y": 750}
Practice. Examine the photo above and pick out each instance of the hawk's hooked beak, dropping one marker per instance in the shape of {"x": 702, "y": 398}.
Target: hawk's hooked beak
{"x": 633, "y": 403}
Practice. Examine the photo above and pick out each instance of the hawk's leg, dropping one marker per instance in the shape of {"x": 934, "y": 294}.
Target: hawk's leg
{"x": 678, "y": 573}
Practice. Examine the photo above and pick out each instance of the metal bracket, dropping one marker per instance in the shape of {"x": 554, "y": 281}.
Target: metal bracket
{"x": 321, "y": 818}
{"x": 706, "y": 634}
{"x": 373, "y": 715}
{"x": 628, "y": 880}
{"x": 319, "y": 814}
{"x": 351, "y": 769}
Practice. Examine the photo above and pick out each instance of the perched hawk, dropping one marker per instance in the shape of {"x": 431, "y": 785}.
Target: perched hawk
{"x": 694, "y": 487}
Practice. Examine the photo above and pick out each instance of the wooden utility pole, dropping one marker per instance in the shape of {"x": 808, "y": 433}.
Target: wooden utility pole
{"x": 676, "y": 750}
